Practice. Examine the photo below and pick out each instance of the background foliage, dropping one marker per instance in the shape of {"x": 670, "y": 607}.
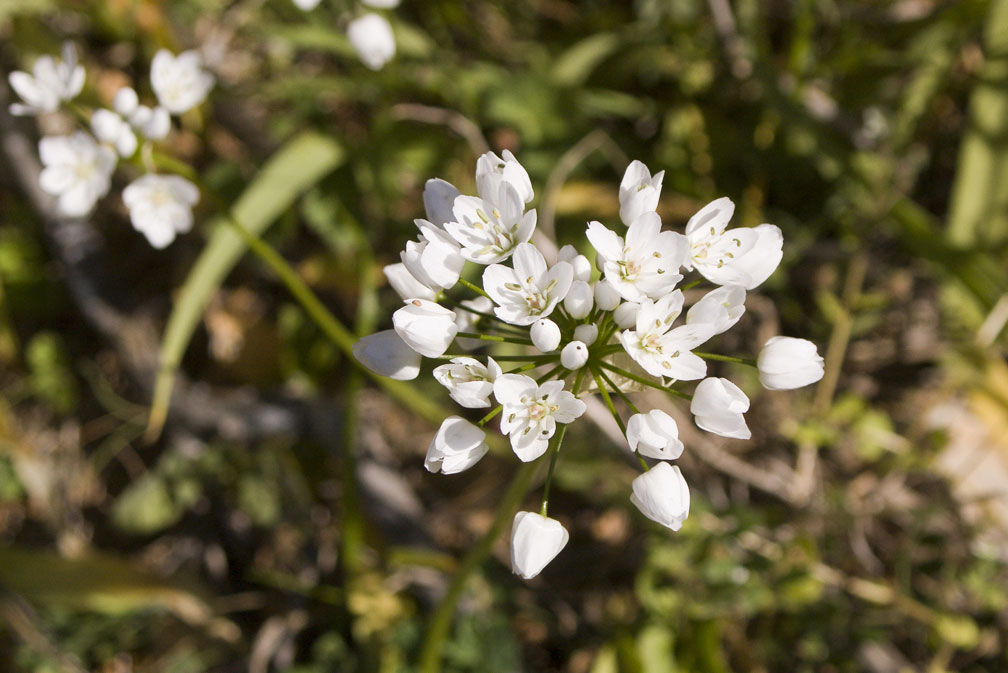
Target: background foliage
{"x": 282, "y": 519}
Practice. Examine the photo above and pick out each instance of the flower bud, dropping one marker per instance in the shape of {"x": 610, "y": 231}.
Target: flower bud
{"x": 405, "y": 284}
{"x": 574, "y": 355}
{"x": 625, "y": 314}
{"x": 661, "y": 494}
{"x": 581, "y": 265}
{"x": 457, "y": 446}
{"x": 535, "y": 541}
{"x": 717, "y": 407}
{"x": 386, "y": 354}
{"x": 427, "y": 328}
{"x": 545, "y": 335}
{"x": 578, "y": 301}
{"x": 606, "y": 296}
{"x": 372, "y": 39}
{"x": 586, "y": 334}
{"x": 786, "y": 363}
{"x": 655, "y": 435}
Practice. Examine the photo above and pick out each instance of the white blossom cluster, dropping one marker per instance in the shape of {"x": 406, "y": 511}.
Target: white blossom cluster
{"x": 78, "y": 167}
{"x": 370, "y": 33}
{"x": 582, "y": 333}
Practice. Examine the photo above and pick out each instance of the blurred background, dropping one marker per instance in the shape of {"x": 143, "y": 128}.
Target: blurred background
{"x": 282, "y": 520}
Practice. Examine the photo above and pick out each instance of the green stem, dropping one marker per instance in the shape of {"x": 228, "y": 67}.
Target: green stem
{"x": 441, "y": 621}
{"x": 640, "y": 379}
{"x": 608, "y": 400}
{"x": 690, "y": 286}
{"x": 561, "y": 431}
{"x": 494, "y": 337}
{"x": 490, "y": 416}
{"x": 726, "y": 358}
{"x": 539, "y": 359}
{"x": 474, "y": 288}
{"x": 626, "y": 398}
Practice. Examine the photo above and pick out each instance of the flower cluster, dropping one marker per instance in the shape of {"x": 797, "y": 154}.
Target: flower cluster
{"x": 78, "y": 167}
{"x": 575, "y": 332}
{"x": 370, "y": 34}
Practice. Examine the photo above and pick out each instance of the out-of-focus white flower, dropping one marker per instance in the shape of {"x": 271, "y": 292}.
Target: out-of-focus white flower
{"x": 469, "y": 382}
{"x": 427, "y": 328}
{"x": 655, "y": 435}
{"x": 582, "y": 267}
{"x": 381, "y": 4}
{"x": 77, "y": 170}
{"x": 108, "y": 127}
{"x": 786, "y": 363}
{"x": 466, "y": 320}
{"x": 489, "y": 231}
{"x": 405, "y": 285}
{"x": 742, "y": 256}
{"x": 662, "y": 350}
{"x": 385, "y": 353}
{"x": 372, "y": 38}
{"x": 528, "y": 291}
{"x": 180, "y": 82}
{"x": 492, "y": 171}
{"x": 161, "y": 206}
{"x": 718, "y": 405}
{"x": 434, "y": 259}
{"x": 52, "y": 82}
{"x": 545, "y": 335}
{"x": 531, "y": 412}
{"x": 647, "y": 264}
{"x": 152, "y": 123}
{"x": 439, "y": 201}
{"x": 638, "y": 192}
{"x": 306, "y": 5}
{"x": 579, "y": 300}
{"x": 720, "y": 308}
{"x": 661, "y": 494}
{"x": 574, "y": 355}
{"x": 586, "y": 334}
{"x": 457, "y": 446}
{"x": 535, "y": 541}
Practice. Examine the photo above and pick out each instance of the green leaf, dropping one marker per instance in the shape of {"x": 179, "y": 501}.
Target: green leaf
{"x": 297, "y": 166}
{"x": 575, "y": 65}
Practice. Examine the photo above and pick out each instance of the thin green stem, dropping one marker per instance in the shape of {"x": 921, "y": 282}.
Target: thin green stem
{"x": 691, "y": 285}
{"x": 490, "y": 416}
{"x": 561, "y": 431}
{"x": 440, "y": 623}
{"x": 626, "y": 398}
{"x": 540, "y": 359}
{"x": 608, "y": 400}
{"x": 474, "y": 287}
{"x": 495, "y": 337}
{"x": 640, "y": 379}
{"x": 727, "y": 358}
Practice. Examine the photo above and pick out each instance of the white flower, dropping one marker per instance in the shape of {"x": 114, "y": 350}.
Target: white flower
{"x": 151, "y": 123}
{"x": 405, "y": 285}
{"x": 535, "y": 541}
{"x": 647, "y": 265}
{"x": 545, "y": 335}
{"x": 110, "y": 128}
{"x": 77, "y": 170}
{"x": 662, "y": 350}
{"x": 51, "y": 83}
{"x": 625, "y": 314}
{"x": 381, "y": 4}
{"x": 574, "y": 355}
{"x": 426, "y": 327}
{"x": 488, "y": 231}
{"x": 528, "y": 291}
{"x": 434, "y": 259}
{"x": 720, "y": 308}
{"x": 372, "y": 39}
{"x": 606, "y": 296}
{"x": 469, "y": 382}
{"x": 466, "y": 320}
{"x": 655, "y": 435}
{"x": 439, "y": 200}
{"x": 492, "y": 171}
{"x": 457, "y": 446}
{"x": 661, "y": 494}
{"x": 582, "y": 267}
{"x": 306, "y": 5}
{"x": 718, "y": 405}
{"x": 385, "y": 353}
{"x": 638, "y": 192}
{"x": 161, "y": 206}
{"x": 531, "y": 412}
{"x": 180, "y": 82}
{"x": 579, "y": 300}
{"x": 742, "y": 256}
{"x": 786, "y": 363}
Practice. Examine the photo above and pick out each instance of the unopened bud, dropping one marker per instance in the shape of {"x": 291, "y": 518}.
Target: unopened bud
{"x": 578, "y": 301}
{"x": 545, "y": 335}
{"x": 606, "y": 296}
{"x": 586, "y": 334}
{"x": 574, "y": 355}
